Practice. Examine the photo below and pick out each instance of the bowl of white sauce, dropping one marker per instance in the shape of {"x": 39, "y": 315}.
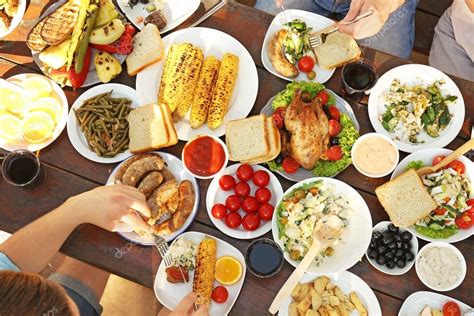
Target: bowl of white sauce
{"x": 440, "y": 266}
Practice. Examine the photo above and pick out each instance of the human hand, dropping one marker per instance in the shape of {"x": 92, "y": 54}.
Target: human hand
{"x": 109, "y": 206}
{"x": 185, "y": 307}
{"x": 371, "y": 25}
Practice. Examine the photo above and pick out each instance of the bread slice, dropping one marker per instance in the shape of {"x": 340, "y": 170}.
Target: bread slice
{"x": 405, "y": 199}
{"x": 247, "y": 138}
{"x": 273, "y": 136}
{"x": 147, "y": 129}
{"x": 338, "y": 49}
{"x": 173, "y": 137}
{"x": 147, "y": 49}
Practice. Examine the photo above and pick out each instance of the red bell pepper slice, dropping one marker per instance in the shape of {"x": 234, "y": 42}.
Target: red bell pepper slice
{"x": 78, "y": 79}
{"x": 121, "y": 46}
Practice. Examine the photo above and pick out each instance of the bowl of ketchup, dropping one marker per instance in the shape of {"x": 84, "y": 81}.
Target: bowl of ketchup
{"x": 204, "y": 156}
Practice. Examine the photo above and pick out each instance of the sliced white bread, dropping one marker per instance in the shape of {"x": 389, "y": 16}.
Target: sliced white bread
{"x": 147, "y": 49}
{"x": 405, "y": 199}
{"x": 338, "y": 49}
{"x": 247, "y": 138}
{"x": 273, "y": 136}
{"x": 173, "y": 137}
{"x": 147, "y": 129}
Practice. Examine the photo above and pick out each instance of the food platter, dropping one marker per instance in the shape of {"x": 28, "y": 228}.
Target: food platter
{"x": 16, "y": 20}
{"x": 426, "y": 156}
{"x": 355, "y": 238}
{"x": 414, "y": 74}
{"x": 176, "y": 12}
{"x": 171, "y": 294}
{"x": 316, "y": 21}
{"x": 211, "y": 42}
{"x": 176, "y": 167}
{"x": 76, "y": 136}
{"x": 414, "y": 304}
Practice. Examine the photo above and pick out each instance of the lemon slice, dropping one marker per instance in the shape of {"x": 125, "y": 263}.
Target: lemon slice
{"x": 228, "y": 270}
{"x": 13, "y": 102}
{"x": 37, "y": 127}
{"x": 48, "y": 105}
{"x": 10, "y": 127}
{"x": 38, "y": 87}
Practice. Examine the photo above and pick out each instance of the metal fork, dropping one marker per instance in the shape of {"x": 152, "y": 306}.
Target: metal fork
{"x": 318, "y": 39}
{"x": 162, "y": 246}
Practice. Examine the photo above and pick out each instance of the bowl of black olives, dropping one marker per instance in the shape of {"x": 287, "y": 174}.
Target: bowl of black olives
{"x": 392, "y": 250}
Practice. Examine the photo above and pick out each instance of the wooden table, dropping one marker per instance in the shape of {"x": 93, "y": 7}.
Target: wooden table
{"x": 68, "y": 173}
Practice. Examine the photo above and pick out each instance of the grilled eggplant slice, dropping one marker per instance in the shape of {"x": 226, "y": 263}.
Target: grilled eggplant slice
{"x": 34, "y": 39}
{"x": 58, "y": 25}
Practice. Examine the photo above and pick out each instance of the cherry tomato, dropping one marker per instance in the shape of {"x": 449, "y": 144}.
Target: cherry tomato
{"x": 464, "y": 221}
{"x": 277, "y": 121}
{"x": 334, "y": 153}
{"x": 265, "y": 211}
{"x": 457, "y": 166}
{"x": 323, "y": 96}
{"x": 451, "y": 309}
{"x": 251, "y": 221}
{"x": 470, "y": 202}
{"x": 227, "y": 182}
{"x": 233, "y": 220}
{"x": 261, "y": 178}
{"x": 263, "y": 195}
{"x": 290, "y": 165}
{"x": 334, "y": 128}
{"x": 250, "y": 204}
{"x": 280, "y": 111}
{"x": 437, "y": 159}
{"x": 219, "y": 211}
{"x": 306, "y": 64}
{"x": 334, "y": 113}
{"x": 440, "y": 210}
{"x": 220, "y": 294}
{"x": 232, "y": 203}
{"x": 242, "y": 189}
{"x": 245, "y": 172}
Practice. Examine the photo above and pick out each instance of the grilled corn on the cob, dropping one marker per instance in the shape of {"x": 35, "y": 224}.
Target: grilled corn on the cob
{"x": 205, "y": 269}
{"x": 203, "y": 93}
{"x": 179, "y": 78}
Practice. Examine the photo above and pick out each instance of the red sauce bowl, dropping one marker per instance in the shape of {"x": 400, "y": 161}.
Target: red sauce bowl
{"x": 204, "y": 156}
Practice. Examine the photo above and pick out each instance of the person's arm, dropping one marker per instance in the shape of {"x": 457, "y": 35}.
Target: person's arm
{"x": 33, "y": 246}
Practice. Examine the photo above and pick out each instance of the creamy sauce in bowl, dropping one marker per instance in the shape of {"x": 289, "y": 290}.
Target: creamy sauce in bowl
{"x": 374, "y": 155}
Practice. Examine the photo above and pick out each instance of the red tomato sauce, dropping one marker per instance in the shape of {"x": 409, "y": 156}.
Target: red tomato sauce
{"x": 204, "y": 156}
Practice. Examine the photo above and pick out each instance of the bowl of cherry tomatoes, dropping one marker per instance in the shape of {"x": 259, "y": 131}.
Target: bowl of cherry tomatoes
{"x": 240, "y": 202}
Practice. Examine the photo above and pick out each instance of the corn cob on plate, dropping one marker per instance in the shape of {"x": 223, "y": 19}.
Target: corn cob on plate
{"x": 235, "y": 100}
{"x": 170, "y": 294}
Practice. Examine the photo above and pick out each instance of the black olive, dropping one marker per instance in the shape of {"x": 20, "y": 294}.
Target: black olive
{"x": 387, "y": 239}
{"x": 373, "y": 244}
{"x": 132, "y": 2}
{"x": 401, "y": 263}
{"x": 409, "y": 256}
{"x": 334, "y": 141}
{"x": 279, "y": 159}
{"x": 144, "y": 1}
{"x": 381, "y": 260}
{"x": 397, "y": 238}
{"x": 390, "y": 255}
{"x": 381, "y": 249}
{"x": 406, "y": 246}
{"x": 399, "y": 253}
{"x": 373, "y": 254}
{"x": 390, "y": 264}
{"x": 406, "y": 236}
{"x": 392, "y": 228}
{"x": 392, "y": 245}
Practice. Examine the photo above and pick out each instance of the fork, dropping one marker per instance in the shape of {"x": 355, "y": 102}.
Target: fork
{"x": 162, "y": 246}
{"x": 318, "y": 39}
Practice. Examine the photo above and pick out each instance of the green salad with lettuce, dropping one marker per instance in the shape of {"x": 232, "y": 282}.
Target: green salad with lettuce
{"x": 346, "y": 138}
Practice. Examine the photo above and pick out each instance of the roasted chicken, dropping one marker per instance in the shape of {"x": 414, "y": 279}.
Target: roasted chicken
{"x": 308, "y": 126}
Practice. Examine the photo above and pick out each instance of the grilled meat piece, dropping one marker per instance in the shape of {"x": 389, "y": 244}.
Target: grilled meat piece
{"x": 158, "y": 18}
{"x": 174, "y": 275}
{"x": 140, "y": 168}
{"x": 150, "y": 183}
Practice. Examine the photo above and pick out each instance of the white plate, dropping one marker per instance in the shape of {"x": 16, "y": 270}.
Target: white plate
{"x": 347, "y": 282}
{"x": 414, "y": 304}
{"x": 216, "y": 195}
{"x": 302, "y": 174}
{"x": 355, "y": 238}
{"x": 16, "y": 18}
{"x": 316, "y": 21}
{"x": 176, "y": 167}
{"x": 412, "y": 74}
{"x": 76, "y": 136}
{"x": 427, "y": 155}
{"x": 170, "y": 294}
{"x": 61, "y": 97}
{"x": 212, "y": 42}
{"x": 92, "y": 77}
{"x": 175, "y": 11}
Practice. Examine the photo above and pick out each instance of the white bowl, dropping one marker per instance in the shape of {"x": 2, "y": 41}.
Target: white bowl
{"x": 357, "y": 143}
{"x": 383, "y": 226}
{"x": 226, "y": 160}
{"x": 456, "y": 252}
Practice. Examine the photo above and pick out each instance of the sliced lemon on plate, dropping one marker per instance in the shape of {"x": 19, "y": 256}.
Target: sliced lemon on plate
{"x": 10, "y": 127}
{"x": 37, "y": 86}
{"x": 48, "y": 105}
{"x": 37, "y": 127}
{"x": 228, "y": 270}
{"x": 13, "y": 102}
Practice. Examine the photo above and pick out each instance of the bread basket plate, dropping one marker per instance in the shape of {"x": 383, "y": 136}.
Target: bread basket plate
{"x": 176, "y": 167}
{"x": 211, "y": 42}
{"x": 354, "y": 240}
{"x": 413, "y": 74}
{"x": 176, "y": 12}
{"x": 76, "y": 136}
{"x": 92, "y": 77}
{"x": 347, "y": 282}
{"x": 302, "y": 174}
{"x": 16, "y": 20}
{"x": 414, "y": 304}
{"x": 216, "y": 195}
{"x": 170, "y": 294}
{"x": 426, "y": 156}
{"x": 313, "y": 20}
{"x": 61, "y": 97}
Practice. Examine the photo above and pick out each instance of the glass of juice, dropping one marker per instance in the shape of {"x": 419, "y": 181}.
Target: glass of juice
{"x": 21, "y": 168}
{"x": 264, "y": 258}
{"x": 358, "y": 77}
